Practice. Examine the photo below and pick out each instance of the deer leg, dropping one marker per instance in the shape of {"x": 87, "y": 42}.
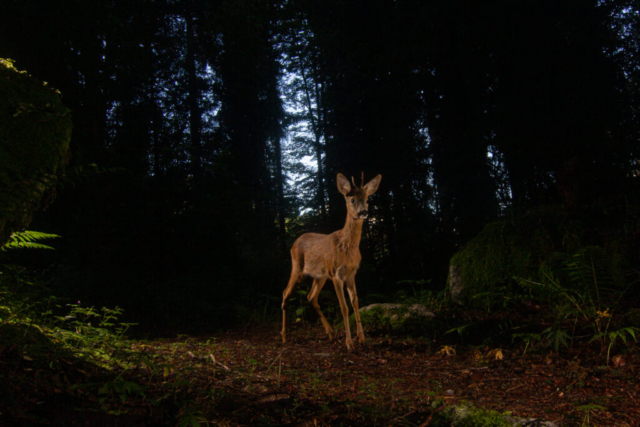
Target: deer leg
{"x": 318, "y": 284}
{"x": 351, "y": 287}
{"x": 339, "y": 285}
{"x": 293, "y": 282}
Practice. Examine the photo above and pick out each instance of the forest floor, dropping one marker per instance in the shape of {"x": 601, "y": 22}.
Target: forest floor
{"x": 247, "y": 377}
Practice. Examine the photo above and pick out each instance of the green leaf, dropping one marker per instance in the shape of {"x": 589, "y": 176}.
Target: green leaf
{"x": 631, "y": 331}
{"x": 27, "y": 240}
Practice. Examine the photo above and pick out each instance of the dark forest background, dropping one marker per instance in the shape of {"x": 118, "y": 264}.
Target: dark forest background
{"x": 208, "y": 134}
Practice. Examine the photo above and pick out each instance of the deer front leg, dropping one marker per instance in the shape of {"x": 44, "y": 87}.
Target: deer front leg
{"x": 318, "y": 284}
{"x": 351, "y": 287}
{"x": 339, "y": 285}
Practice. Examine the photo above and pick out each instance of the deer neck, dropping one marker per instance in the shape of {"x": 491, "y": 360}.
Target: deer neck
{"x": 351, "y": 234}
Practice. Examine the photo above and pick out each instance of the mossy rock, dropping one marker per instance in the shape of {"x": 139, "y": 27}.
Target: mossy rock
{"x": 393, "y": 316}
{"x": 35, "y": 131}
{"x": 467, "y": 415}
{"x": 529, "y": 245}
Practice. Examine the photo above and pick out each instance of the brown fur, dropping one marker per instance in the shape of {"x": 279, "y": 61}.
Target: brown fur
{"x": 334, "y": 256}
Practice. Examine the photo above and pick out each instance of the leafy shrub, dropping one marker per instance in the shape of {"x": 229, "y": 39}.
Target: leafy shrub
{"x": 36, "y": 321}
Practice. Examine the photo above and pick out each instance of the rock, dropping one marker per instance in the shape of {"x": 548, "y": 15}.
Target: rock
{"x": 35, "y": 133}
{"x": 466, "y": 414}
{"x": 455, "y": 283}
{"x": 397, "y": 311}
{"x": 393, "y": 315}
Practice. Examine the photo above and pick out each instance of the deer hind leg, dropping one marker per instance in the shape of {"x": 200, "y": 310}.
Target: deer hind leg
{"x": 296, "y": 276}
{"x": 339, "y": 285}
{"x": 313, "y": 295}
{"x": 351, "y": 287}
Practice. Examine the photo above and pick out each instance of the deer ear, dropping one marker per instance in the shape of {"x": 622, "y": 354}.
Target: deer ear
{"x": 343, "y": 184}
{"x": 372, "y": 186}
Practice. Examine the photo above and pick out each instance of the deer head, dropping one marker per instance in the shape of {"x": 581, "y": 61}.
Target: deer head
{"x": 356, "y": 197}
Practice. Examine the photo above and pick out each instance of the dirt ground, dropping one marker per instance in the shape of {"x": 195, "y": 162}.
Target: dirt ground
{"x": 400, "y": 381}
{"x": 247, "y": 377}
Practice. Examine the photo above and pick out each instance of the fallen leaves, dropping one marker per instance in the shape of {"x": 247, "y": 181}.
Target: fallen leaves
{"x": 447, "y": 350}
{"x": 496, "y": 354}
{"x": 618, "y": 361}
{"x": 245, "y": 377}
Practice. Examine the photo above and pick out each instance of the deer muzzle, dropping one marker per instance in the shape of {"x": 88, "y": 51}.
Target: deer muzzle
{"x": 363, "y": 214}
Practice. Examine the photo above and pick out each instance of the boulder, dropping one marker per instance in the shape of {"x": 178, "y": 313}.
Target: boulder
{"x": 35, "y": 131}
{"x": 468, "y": 415}
{"x": 393, "y": 315}
{"x": 544, "y": 242}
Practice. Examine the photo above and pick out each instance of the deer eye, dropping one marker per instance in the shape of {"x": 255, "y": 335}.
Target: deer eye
{"x": 353, "y": 201}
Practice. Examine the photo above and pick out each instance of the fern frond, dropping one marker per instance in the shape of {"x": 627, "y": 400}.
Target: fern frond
{"x": 28, "y": 240}
{"x": 591, "y": 273}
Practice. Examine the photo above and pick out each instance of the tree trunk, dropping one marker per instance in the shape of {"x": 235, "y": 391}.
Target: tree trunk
{"x": 195, "y": 115}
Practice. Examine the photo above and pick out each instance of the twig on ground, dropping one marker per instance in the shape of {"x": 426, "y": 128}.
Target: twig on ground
{"x": 213, "y": 358}
{"x": 277, "y": 357}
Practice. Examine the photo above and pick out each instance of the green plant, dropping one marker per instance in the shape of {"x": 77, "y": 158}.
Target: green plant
{"x": 121, "y": 388}
{"x": 253, "y": 363}
{"x": 530, "y": 340}
{"x": 176, "y": 386}
{"x": 23, "y": 300}
{"x": 433, "y": 300}
{"x": 588, "y": 409}
{"x": 467, "y": 415}
{"x": 82, "y": 318}
{"x": 585, "y": 288}
{"x": 28, "y": 240}
{"x": 613, "y": 336}
{"x": 556, "y": 336}
{"x": 558, "y": 292}
{"x": 96, "y": 334}
{"x": 460, "y": 330}
{"x": 302, "y": 305}
{"x": 190, "y": 417}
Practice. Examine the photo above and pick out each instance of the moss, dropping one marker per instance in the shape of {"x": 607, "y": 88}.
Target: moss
{"x": 467, "y": 415}
{"x": 35, "y": 131}
{"x": 393, "y": 317}
{"x": 374, "y": 319}
{"x": 527, "y": 244}
{"x": 507, "y": 248}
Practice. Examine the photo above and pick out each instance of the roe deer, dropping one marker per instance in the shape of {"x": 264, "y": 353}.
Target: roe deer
{"x": 334, "y": 256}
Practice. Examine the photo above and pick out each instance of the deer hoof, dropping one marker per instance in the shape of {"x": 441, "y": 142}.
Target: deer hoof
{"x": 350, "y": 346}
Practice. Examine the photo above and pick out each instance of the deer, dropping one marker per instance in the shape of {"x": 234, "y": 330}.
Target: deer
{"x": 334, "y": 256}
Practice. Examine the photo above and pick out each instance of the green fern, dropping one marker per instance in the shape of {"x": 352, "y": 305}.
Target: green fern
{"x": 592, "y": 272}
{"x": 28, "y": 239}
{"x": 614, "y": 335}
{"x": 590, "y": 277}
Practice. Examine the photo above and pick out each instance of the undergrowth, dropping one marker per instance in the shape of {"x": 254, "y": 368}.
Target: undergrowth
{"x": 62, "y": 354}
